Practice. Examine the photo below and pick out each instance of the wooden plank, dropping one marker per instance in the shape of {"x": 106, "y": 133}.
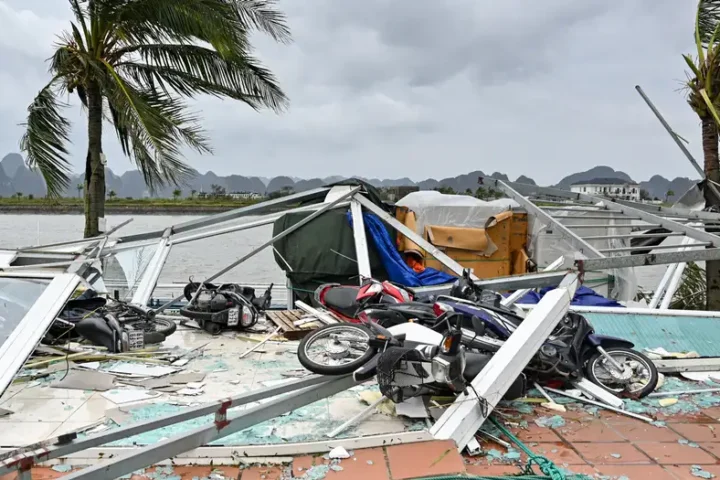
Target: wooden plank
{"x": 279, "y": 320}
{"x": 285, "y": 319}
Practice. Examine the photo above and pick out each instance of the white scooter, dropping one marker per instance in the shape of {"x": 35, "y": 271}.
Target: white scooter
{"x": 409, "y": 359}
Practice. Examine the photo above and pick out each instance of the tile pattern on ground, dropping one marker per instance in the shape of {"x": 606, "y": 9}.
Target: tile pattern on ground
{"x": 424, "y": 460}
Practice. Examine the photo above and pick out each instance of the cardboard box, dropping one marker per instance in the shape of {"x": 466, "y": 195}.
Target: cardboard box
{"x": 495, "y": 251}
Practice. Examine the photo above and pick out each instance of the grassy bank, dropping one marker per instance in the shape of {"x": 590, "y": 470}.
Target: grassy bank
{"x": 148, "y": 206}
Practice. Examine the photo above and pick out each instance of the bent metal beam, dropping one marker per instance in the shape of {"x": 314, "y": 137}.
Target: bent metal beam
{"x": 466, "y": 415}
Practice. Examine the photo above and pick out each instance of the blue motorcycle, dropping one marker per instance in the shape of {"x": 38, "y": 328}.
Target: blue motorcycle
{"x": 572, "y": 352}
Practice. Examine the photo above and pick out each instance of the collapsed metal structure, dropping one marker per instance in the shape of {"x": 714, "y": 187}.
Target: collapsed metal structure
{"x": 60, "y": 268}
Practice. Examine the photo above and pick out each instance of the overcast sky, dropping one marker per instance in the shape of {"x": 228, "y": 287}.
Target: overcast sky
{"x": 420, "y": 88}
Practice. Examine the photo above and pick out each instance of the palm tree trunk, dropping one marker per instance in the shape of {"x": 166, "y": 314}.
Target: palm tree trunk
{"x": 94, "y": 168}
{"x": 712, "y": 172}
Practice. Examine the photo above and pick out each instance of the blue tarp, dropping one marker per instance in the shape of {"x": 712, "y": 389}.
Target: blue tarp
{"x": 583, "y": 296}
{"x": 398, "y": 271}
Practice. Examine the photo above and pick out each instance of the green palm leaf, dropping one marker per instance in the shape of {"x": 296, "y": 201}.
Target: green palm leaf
{"x": 131, "y": 62}
{"x": 46, "y": 134}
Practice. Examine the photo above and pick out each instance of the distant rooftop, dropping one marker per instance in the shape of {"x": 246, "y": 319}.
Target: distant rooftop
{"x": 605, "y": 181}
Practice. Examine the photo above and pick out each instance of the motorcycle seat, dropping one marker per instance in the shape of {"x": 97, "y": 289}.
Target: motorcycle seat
{"x": 475, "y": 362}
{"x": 342, "y": 299}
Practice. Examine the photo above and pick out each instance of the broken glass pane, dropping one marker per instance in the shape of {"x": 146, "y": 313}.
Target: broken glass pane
{"x": 17, "y": 296}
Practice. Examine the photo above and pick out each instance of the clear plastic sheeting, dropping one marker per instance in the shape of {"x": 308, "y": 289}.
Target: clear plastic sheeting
{"x": 123, "y": 270}
{"x": 693, "y": 199}
{"x": 547, "y": 244}
{"x": 435, "y": 208}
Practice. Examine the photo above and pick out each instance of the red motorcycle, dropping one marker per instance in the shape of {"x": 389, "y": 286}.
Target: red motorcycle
{"x": 348, "y": 301}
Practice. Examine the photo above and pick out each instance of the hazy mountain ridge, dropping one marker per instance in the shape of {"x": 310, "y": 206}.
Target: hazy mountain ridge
{"x": 16, "y": 177}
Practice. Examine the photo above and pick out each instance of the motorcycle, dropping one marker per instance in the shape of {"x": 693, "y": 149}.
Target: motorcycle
{"x": 115, "y": 325}
{"x": 390, "y": 304}
{"x": 572, "y": 352}
{"x": 346, "y": 301}
{"x": 226, "y": 306}
{"x": 409, "y": 359}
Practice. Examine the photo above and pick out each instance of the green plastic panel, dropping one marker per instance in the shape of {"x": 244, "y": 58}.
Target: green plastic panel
{"x": 674, "y": 334}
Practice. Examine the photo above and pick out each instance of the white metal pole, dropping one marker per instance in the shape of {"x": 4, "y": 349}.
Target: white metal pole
{"x": 662, "y": 286}
{"x": 466, "y": 415}
{"x": 361, "y": 246}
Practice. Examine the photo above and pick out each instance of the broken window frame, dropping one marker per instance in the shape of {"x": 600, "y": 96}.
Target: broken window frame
{"x": 24, "y": 338}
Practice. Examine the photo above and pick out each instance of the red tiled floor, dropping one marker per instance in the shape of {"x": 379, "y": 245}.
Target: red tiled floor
{"x": 595, "y": 431}
{"x": 424, "y": 459}
{"x": 364, "y": 465}
{"x": 713, "y": 448}
{"x": 698, "y": 432}
{"x": 636, "y": 472}
{"x": 676, "y": 454}
{"x": 570, "y": 415}
{"x": 639, "y": 431}
{"x": 493, "y": 470}
{"x": 698, "y": 417}
{"x": 536, "y": 434}
{"x": 200, "y": 471}
{"x": 603, "y": 453}
{"x": 301, "y": 464}
{"x": 612, "y": 418}
{"x": 683, "y": 472}
{"x": 228, "y": 472}
{"x": 262, "y": 473}
{"x": 712, "y": 412}
{"x": 558, "y": 453}
{"x": 39, "y": 473}
{"x": 582, "y": 470}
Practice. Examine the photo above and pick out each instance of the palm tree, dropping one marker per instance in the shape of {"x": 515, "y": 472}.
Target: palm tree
{"x": 131, "y": 62}
{"x": 703, "y": 87}
{"x": 176, "y": 193}
{"x": 112, "y": 194}
{"x": 192, "y": 193}
{"x": 80, "y": 188}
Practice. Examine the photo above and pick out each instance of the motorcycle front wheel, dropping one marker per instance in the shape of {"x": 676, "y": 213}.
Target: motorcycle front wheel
{"x": 336, "y": 349}
{"x": 644, "y": 374}
{"x": 159, "y": 325}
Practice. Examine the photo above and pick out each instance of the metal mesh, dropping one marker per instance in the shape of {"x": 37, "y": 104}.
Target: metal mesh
{"x": 389, "y": 362}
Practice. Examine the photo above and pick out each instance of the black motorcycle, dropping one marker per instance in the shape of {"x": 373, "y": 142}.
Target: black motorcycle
{"x": 228, "y": 305}
{"x": 110, "y": 323}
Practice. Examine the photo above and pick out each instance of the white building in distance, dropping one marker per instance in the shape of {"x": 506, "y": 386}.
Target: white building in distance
{"x": 245, "y": 196}
{"x": 608, "y": 187}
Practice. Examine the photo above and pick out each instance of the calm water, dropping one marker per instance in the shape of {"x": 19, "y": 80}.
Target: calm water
{"x": 200, "y": 259}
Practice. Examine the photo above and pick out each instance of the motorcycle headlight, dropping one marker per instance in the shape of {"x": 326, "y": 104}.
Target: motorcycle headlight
{"x": 448, "y": 369}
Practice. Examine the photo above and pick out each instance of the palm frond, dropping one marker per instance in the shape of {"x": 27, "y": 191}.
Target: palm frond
{"x": 80, "y": 15}
{"x": 151, "y": 127}
{"x": 708, "y": 19}
{"x": 262, "y": 15}
{"x": 191, "y": 69}
{"x": 690, "y": 294}
{"x": 46, "y": 133}
{"x": 179, "y": 21}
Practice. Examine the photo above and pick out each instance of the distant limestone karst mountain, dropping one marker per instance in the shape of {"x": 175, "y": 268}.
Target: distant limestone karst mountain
{"x": 16, "y": 177}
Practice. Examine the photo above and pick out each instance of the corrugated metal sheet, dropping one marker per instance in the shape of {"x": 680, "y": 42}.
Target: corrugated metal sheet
{"x": 674, "y": 334}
